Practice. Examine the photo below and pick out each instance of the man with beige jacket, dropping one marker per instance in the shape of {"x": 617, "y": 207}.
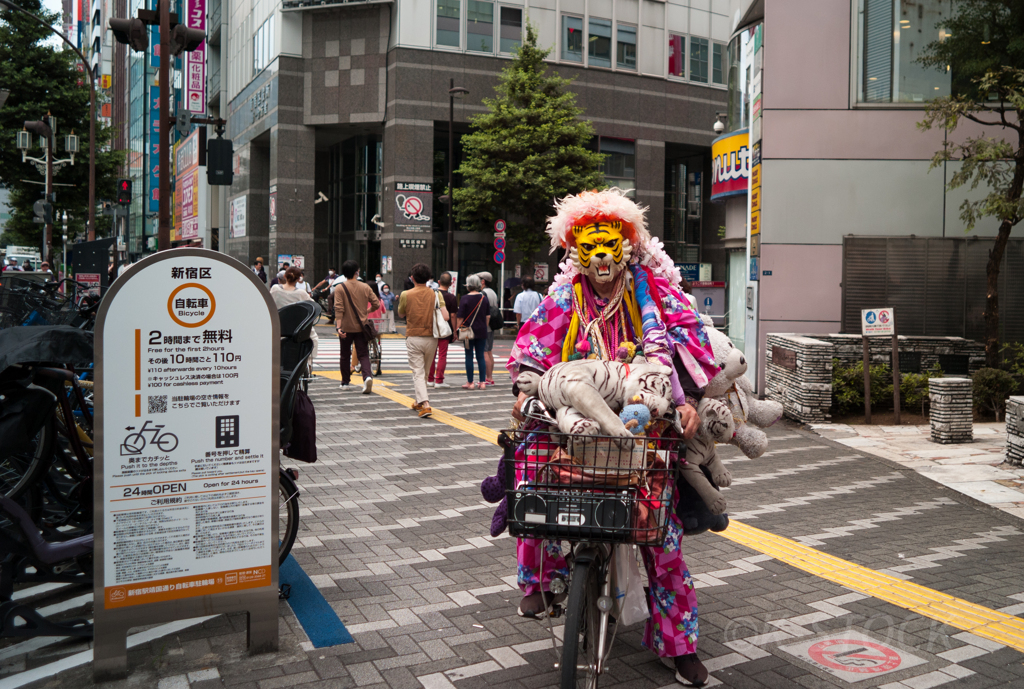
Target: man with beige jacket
{"x": 351, "y": 299}
{"x": 417, "y": 306}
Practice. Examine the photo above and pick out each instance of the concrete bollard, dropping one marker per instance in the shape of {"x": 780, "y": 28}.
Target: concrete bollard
{"x": 951, "y": 415}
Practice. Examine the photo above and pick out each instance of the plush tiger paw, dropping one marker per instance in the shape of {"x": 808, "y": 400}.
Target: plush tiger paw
{"x": 722, "y": 479}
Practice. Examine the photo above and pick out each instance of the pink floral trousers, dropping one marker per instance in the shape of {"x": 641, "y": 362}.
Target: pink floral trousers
{"x": 672, "y": 627}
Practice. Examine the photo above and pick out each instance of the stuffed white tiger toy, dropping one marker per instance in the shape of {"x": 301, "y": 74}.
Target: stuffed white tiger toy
{"x": 587, "y": 394}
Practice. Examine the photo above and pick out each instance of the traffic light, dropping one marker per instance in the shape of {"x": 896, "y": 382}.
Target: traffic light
{"x": 43, "y": 211}
{"x": 185, "y": 40}
{"x": 124, "y": 191}
{"x": 219, "y": 153}
{"x": 131, "y": 32}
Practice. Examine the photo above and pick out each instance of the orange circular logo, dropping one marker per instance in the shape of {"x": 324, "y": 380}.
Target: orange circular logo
{"x": 191, "y": 309}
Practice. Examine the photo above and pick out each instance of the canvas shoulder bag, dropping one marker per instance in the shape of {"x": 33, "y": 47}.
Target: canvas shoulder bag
{"x": 442, "y": 328}
{"x": 466, "y": 331}
{"x": 369, "y": 331}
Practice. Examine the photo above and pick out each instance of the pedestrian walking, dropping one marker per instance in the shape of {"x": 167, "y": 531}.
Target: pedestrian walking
{"x": 388, "y": 298}
{"x": 257, "y": 268}
{"x": 417, "y": 306}
{"x": 435, "y": 379}
{"x": 290, "y": 291}
{"x": 472, "y": 315}
{"x": 351, "y": 304}
{"x": 527, "y": 301}
{"x": 486, "y": 280}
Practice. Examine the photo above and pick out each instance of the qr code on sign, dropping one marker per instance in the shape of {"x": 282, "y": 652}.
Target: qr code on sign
{"x": 158, "y": 404}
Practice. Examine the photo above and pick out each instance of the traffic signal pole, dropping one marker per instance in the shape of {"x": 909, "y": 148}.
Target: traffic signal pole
{"x": 164, "y": 220}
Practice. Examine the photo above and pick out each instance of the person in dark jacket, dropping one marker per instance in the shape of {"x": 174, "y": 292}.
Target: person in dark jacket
{"x": 258, "y": 269}
{"x": 473, "y": 313}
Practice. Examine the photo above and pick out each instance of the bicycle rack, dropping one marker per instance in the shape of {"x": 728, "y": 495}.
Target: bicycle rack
{"x": 49, "y": 560}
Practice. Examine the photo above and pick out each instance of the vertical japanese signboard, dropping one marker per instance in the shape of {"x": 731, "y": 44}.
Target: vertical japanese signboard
{"x": 154, "y": 148}
{"x": 186, "y": 192}
{"x": 186, "y": 463}
{"x": 195, "y": 62}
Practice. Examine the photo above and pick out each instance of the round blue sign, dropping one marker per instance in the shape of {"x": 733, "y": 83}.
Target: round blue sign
{"x": 499, "y": 243}
{"x": 870, "y": 317}
{"x": 499, "y": 256}
{"x": 707, "y": 301}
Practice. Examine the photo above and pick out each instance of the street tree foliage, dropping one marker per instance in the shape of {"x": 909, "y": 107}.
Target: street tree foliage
{"x": 985, "y": 57}
{"x": 528, "y": 150}
{"x": 43, "y": 77}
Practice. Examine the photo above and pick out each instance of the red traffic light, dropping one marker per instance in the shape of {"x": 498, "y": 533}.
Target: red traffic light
{"x": 124, "y": 191}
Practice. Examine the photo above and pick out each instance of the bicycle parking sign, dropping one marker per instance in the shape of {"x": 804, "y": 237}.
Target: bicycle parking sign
{"x": 185, "y": 501}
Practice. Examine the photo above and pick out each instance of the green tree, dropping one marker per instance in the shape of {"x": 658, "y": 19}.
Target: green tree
{"x": 528, "y": 150}
{"x": 984, "y": 52}
{"x": 44, "y": 77}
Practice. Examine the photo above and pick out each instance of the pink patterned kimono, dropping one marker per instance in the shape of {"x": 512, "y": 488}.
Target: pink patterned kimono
{"x": 672, "y": 627}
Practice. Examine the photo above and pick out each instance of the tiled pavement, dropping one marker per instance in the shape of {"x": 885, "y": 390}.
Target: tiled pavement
{"x": 394, "y": 533}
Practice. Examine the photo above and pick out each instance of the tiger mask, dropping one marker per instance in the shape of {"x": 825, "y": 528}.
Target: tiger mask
{"x": 600, "y": 250}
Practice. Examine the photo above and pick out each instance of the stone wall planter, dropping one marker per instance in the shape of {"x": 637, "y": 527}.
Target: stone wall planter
{"x": 1015, "y": 431}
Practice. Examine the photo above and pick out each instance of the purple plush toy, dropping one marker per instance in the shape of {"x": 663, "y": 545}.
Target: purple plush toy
{"x": 493, "y": 490}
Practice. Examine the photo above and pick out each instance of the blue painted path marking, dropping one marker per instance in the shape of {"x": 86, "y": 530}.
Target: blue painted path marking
{"x": 316, "y": 615}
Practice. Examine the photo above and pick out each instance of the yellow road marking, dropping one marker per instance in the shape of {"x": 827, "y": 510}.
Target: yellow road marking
{"x": 950, "y": 610}
{"x": 955, "y": 612}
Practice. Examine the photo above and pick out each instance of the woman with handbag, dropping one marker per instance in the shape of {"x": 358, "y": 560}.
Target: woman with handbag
{"x": 471, "y": 327}
{"x": 435, "y": 378}
{"x": 420, "y": 308}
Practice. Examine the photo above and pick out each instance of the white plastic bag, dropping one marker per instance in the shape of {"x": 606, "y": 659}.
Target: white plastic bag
{"x": 628, "y": 588}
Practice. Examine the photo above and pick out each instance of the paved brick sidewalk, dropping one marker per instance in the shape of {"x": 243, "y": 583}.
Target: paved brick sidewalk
{"x": 977, "y": 469}
{"x": 394, "y": 534}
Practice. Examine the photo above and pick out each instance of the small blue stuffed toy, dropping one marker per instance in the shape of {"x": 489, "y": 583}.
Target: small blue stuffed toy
{"x": 635, "y": 418}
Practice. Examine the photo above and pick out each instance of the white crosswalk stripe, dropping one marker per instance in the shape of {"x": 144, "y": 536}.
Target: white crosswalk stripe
{"x": 393, "y": 354}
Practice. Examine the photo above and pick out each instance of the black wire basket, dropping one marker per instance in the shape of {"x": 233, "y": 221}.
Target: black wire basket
{"x": 589, "y": 488}
{"x": 25, "y": 303}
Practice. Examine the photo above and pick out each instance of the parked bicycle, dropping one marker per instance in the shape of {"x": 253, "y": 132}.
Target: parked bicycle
{"x": 596, "y": 492}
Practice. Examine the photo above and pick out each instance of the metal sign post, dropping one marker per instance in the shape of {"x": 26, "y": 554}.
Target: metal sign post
{"x": 880, "y": 322}
{"x": 185, "y": 491}
{"x": 499, "y": 256}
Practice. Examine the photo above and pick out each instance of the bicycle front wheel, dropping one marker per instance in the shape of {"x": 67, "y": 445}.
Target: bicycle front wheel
{"x": 579, "y": 645}
{"x": 287, "y": 515}
{"x": 20, "y": 470}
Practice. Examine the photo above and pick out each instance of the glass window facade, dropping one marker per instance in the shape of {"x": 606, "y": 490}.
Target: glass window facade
{"x": 699, "y": 60}
{"x": 619, "y": 166}
{"x": 354, "y": 198}
{"x": 480, "y": 26}
{"x": 511, "y": 29}
{"x": 599, "y": 43}
{"x": 448, "y": 12}
{"x": 625, "y": 54}
{"x": 891, "y": 36}
{"x": 737, "y": 78}
{"x": 683, "y": 195}
{"x": 572, "y": 38}
{"x": 718, "y": 64}
{"x": 263, "y": 46}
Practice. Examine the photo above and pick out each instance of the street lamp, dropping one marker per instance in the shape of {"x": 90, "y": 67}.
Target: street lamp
{"x": 92, "y": 114}
{"x": 453, "y": 93}
{"x": 45, "y": 132}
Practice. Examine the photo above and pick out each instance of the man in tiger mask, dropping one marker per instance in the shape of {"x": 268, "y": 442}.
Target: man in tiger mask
{"x": 617, "y": 293}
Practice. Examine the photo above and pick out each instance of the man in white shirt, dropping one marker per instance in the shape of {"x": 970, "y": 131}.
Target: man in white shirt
{"x": 527, "y": 301}
{"x": 486, "y": 278}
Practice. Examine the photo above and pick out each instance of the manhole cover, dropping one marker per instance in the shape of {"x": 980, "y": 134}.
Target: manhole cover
{"x": 852, "y": 656}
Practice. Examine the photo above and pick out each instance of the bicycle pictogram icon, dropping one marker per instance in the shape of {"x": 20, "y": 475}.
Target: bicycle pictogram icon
{"x": 135, "y": 443}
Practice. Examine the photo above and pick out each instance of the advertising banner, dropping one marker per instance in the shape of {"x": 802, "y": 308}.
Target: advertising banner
{"x": 414, "y": 203}
{"x": 195, "y": 62}
{"x": 237, "y": 224}
{"x": 186, "y": 192}
{"x": 154, "y": 149}
{"x": 730, "y": 165}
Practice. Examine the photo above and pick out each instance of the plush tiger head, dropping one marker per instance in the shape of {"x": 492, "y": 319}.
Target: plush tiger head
{"x": 651, "y": 386}
{"x": 600, "y": 249}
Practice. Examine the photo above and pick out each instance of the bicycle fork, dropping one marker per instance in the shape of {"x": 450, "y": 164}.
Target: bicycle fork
{"x": 602, "y": 627}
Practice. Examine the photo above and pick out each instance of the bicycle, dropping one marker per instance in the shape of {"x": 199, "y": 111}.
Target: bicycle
{"x": 596, "y": 492}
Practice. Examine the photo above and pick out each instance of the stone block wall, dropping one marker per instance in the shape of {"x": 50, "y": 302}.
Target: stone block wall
{"x": 1015, "y": 431}
{"x": 806, "y": 391}
{"x": 849, "y": 349}
{"x": 951, "y": 414}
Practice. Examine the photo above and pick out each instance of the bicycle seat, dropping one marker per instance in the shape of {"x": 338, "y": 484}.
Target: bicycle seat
{"x": 298, "y": 319}
{"x": 44, "y": 551}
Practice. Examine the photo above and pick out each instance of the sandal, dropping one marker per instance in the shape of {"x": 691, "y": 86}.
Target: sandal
{"x": 481, "y": 386}
{"x": 469, "y": 386}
